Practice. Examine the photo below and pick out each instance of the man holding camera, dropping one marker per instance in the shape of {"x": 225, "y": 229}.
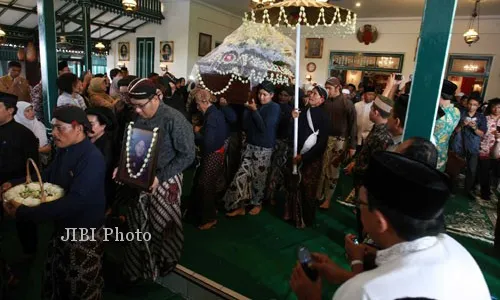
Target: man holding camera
{"x": 410, "y": 234}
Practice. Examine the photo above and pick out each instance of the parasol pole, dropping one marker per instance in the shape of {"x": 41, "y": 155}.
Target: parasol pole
{"x": 296, "y": 104}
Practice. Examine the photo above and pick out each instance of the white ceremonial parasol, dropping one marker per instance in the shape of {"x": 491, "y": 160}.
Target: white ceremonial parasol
{"x": 321, "y": 19}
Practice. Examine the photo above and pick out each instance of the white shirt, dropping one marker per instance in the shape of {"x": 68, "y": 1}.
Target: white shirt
{"x": 363, "y": 120}
{"x": 67, "y": 99}
{"x": 430, "y": 267}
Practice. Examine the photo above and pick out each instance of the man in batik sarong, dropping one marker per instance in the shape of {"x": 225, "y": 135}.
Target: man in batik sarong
{"x": 73, "y": 268}
{"x": 342, "y": 139}
{"x": 278, "y": 164}
{"x": 211, "y": 139}
{"x": 249, "y": 183}
{"x": 314, "y": 123}
{"x": 159, "y": 210}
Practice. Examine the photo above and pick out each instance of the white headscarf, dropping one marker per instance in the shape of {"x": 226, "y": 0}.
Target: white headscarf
{"x": 34, "y": 125}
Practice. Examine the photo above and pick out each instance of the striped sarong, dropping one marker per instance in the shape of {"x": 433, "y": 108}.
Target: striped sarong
{"x": 160, "y": 215}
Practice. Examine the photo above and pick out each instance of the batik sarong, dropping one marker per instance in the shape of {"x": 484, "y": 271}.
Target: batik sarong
{"x": 276, "y": 178}
{"x": 222, "y": 181}
{"x": 249, "y": 183}
{"x": 160, "y": 215}
{"x": 300, "y": 205}
{"x": 203, "y": 206}
{"x": 330, "y": 171}
{"x": 73, "y": 269}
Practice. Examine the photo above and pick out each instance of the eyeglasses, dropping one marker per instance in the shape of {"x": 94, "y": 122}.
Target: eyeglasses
{"x": 141, "y": 106}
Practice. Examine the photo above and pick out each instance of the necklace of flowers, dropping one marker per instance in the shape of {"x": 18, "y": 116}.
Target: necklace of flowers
{"x": 146, "y": 159}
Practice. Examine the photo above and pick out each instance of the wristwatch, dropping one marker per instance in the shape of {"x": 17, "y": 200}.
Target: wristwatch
{"x": 356, "y": 262}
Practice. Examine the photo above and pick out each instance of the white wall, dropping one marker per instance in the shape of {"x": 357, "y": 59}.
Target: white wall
{"x": 175, "y": 28}
{"x": 209, "y": 20}
{"x": 400, "y": 35}
{"x": 184, "y": 20}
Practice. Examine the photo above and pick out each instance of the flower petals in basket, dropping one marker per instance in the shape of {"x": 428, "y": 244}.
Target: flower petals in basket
{"x": 33, "y": 193}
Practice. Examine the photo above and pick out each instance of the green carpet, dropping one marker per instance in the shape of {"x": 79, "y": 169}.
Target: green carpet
{"x": 254, "y": 255}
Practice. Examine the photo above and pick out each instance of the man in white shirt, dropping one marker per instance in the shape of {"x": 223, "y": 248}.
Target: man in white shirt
{"x": 417, "y": 259}
{"x": 363, "y": 108}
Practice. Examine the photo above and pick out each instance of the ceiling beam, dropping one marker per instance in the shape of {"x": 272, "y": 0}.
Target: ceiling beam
{"x": 107, "y": 23}
{"x": 135, "y": 28}
{"x": 60, "y": 18}
{"x": 60, "y": 9}
{"x": 16, "y": 8}
{"x": 93, "y": 19}
{"x": 22, "y": 19}
{"x": 4, "y": 10}
{"x": 66, "y": 14}
{"x": 105, "y": 35}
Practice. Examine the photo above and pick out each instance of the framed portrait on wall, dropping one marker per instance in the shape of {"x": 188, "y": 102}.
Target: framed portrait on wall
{"x": 138, "y": 157}
{"x": 314, "y": 48}
{"x": 204, "y": 44}
{"x": 167, "y": 51}
{"x": 123, "y": 51}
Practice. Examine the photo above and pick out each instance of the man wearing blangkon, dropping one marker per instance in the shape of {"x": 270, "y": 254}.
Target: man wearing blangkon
{"x": 417, "y": 259}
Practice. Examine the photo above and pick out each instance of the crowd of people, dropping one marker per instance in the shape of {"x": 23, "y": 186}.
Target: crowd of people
{"x": 243, "y": 159}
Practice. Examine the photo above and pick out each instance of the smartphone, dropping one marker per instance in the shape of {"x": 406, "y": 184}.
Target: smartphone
{"x": 398, "y": 77}
{"x": 305, "y": 260}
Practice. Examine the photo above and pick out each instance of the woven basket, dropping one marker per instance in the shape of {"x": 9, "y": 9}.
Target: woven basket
{"x": 14, "y": 194}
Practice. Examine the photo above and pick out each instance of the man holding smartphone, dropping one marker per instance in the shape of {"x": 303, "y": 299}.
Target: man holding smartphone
{"x": 411, "y": 236}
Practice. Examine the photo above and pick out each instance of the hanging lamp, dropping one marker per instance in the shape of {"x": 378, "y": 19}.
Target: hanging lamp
{"x": 471, "y": 36}
{"x": 129, "y": 5}
{"x": 3, "y": 36}
{"x": 100, "y": 46}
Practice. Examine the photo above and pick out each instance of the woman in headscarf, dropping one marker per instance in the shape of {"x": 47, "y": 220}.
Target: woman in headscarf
{"x": 97, "y": 94}
{"x": 249, "y": 183}
{"x": 314, "y": 123}
{"x": 26, "y": 116}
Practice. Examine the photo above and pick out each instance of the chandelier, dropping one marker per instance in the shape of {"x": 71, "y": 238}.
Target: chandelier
{"x": 385, "y": 62}
{"x": 100, "y": 46}
{"x": 471, "y": 68}
{"x": 471, "y": 36}
{"x": 3, "y": 36}
{"x": 129, "y": 5}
